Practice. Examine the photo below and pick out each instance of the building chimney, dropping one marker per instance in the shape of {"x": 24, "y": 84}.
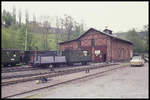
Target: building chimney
{"x": 107, "y": 31}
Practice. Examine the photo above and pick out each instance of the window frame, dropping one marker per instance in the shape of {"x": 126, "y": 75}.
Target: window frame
{"x": 86, "y": 53}
{"x": 122, "y": 52}
{"x": 92, "y": 42}
{"x": 119, "y": 53}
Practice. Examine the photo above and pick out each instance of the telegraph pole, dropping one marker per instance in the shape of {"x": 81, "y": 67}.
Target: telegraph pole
{"x": 26, "y": 40}
{"x": 27, "y": 21}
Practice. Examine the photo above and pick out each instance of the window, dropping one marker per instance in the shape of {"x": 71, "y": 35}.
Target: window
{"x": 92, "y": 42}
{"x": 97, "y": 52}
{"x": 119, "y": 53}
{"x": 127, "y": 53}
{"x": 85, "y": 53}
{"x": 14, "y": 54}
{"x": 122, "y": 52}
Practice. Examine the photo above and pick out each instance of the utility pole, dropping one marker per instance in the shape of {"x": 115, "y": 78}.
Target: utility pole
{"x": 26, "y": 40}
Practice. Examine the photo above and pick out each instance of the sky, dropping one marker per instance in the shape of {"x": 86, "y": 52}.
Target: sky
{"x": 117, "y": 16}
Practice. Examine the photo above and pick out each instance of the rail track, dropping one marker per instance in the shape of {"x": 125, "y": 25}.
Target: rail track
{"x": 25, "y": 75}
{"x": 30, "y": 77}
{"x": 64, "y": 82}
{"x": 15, "y": 69}
{"x": 40, "y": 73}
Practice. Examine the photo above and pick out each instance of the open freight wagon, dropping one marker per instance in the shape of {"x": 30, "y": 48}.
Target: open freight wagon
{"x": 56, "y": 58}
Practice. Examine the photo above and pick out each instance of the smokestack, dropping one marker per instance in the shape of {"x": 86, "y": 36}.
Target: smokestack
{"x": 107, "y": 31}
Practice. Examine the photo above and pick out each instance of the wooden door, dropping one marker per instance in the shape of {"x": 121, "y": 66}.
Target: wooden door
{"x": 100, "y": 53}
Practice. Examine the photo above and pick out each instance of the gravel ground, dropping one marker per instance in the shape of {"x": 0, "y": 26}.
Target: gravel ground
{"x": 130, "y": 82}
{"x": 30, "y": 85}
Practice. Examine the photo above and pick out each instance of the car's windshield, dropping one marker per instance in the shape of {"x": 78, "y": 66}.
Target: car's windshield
{"x": 136, "y": 58}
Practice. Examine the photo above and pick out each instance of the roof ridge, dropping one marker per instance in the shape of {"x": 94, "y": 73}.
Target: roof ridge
{"x": 99, "y": 32}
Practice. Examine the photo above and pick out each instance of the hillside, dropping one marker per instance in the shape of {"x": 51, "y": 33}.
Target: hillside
{"x": 15, "y": 39}
{"x": 51, "y": 41}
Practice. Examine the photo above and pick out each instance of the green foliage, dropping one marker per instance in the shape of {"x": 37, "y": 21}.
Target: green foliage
{"x": 12, "y": 38}
{"x": 9, "y": 38}
{"x": 145, "y": 37}
{"x": 7, "y": 18}
{"x": 139, "y": 39}
{"x": 5, "y": 38}
{"x": 72, "y": 28}
{"x": 21, "y": 37}
{"x": 78, "y": 30}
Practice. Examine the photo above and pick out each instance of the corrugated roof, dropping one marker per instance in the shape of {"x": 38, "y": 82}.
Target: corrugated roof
{"x": 110, "y": 35}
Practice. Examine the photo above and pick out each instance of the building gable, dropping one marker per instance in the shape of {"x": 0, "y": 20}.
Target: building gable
{"x": 92, "y": 30}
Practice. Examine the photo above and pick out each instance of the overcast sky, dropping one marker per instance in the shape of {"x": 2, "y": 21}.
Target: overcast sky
{"x": 118, "y": 16}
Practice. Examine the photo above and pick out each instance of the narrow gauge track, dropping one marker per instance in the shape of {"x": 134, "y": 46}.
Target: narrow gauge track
{"x": 15, "y": 69}
{"x": 49, "y": 74}
{"x": 8, "y": 67}
{"x": 35, "y": 74}
{"x": 25, "y": 75}
{"x": 83, "y": 77}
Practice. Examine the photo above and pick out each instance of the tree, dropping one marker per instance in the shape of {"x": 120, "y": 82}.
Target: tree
{"x": 145, "y": 37}
{"x": 58, "y": 24}
{"x": 5, "y": 38}
{"x": 45, "y": 29}
{"x": 68, "y": 25}
{"x": 31, "y": 42}
{"x": 27, "y": 16}
{"x": 135, "y": 39}
{"x": 63, "y": 34}
{"x": 78, "y": 29}
{"x": 7, "y": 19}
{"x": 14, "y": 15}
{"x": 72, "y": 28}
{"x": 13, "y": 36}
{"x": 34, "y": 18}
{"x": 22, "y": 38}
{"x": 20, "y": 17}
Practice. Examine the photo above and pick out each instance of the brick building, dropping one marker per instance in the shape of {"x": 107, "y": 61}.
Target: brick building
{"x": 103, "y": 45}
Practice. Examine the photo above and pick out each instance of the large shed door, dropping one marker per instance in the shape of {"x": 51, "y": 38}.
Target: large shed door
{"x": 100, "y": 53}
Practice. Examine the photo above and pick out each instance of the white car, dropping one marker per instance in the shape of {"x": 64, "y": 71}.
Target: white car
{"x": 137, "y": 61}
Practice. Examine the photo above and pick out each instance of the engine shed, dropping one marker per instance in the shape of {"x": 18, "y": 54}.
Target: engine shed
{"x": 104, "y": 46}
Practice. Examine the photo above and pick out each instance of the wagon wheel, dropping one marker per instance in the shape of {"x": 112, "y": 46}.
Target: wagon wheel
{"x": 70, "y": 64}
{"x": 84, "y": 63}
{"x": 13, "y": 64}
{"x": 5, "y": 65}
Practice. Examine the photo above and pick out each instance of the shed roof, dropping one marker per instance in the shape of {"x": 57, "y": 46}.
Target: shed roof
{"x": 92, "y": 29}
